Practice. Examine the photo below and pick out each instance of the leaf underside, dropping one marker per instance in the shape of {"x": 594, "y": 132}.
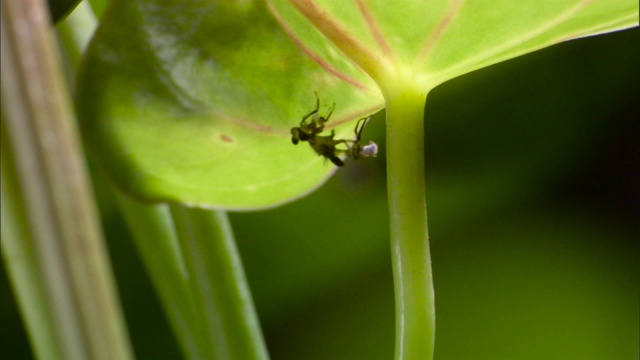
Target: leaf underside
{"x": 193, "y": 101}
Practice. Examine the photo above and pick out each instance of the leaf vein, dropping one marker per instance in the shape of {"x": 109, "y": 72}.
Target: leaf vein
{"x": 482, "y": 57}
{"x": 314, "y": 56}
{"x": 375, "y": 31}
{"x": 438, "y": 31}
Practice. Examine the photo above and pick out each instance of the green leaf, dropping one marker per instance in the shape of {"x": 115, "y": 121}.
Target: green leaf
{"x": 429, "y": 42}
{"x": 59, "y": 9}
{"x": 193, "y": 101}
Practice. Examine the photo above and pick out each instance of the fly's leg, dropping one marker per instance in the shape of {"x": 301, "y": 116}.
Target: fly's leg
{"x": 330, "y": 112}
{"x": 312, "y": 112}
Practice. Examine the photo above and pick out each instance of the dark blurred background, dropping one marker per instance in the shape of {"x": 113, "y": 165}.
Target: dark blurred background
{"x": 533, "y": 190}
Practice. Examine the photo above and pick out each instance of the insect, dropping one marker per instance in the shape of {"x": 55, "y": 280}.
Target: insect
{"x": 311, "y": 128}
{"x": 327, "y": 146}
{"x": 359, "y": 151}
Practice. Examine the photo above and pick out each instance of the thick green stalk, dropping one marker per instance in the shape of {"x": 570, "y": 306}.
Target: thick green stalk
{"x": 415, "y": 309}
{"x": 218, "y": 284}
{"x": 54, "y": 189}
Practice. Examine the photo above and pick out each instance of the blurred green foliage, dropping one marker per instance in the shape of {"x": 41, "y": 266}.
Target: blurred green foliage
{"x": 61, "y": 8}
{"x": 534, "y": 205}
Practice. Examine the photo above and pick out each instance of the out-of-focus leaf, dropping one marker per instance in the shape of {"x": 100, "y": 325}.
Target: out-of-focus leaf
{"x": 59, "y": 9}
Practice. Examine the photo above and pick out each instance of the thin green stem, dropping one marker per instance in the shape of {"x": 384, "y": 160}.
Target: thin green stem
{"x": 23, "y": 269}
{"x": 157, "y": 244}
{"x": 218, "y": 284}
{"x": 54, "y": 186}
{"x": 415, "y": 309}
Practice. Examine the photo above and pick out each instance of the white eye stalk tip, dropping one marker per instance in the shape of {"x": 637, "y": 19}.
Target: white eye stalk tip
{"x": 369, "y": 151}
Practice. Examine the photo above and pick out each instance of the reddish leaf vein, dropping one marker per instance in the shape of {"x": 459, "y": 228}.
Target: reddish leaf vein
{"x": 314, "y": 56}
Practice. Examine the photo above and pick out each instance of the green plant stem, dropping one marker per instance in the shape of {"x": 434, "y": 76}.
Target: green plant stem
{"x": 411, "y": 259}
{"x": 55, "y": 191}
{"x": 218, "y": 285}
{"x": 23, "y": 269}
{"x": 157, "y": 244}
